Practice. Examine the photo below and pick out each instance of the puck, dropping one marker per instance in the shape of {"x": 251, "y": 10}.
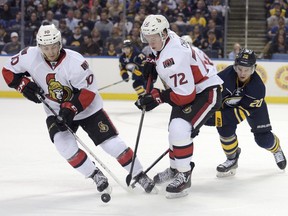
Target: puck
{"x": 105, "y": 197}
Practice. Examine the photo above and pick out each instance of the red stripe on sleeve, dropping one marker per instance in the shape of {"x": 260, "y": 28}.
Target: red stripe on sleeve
{"x": 8, "y": 75}
{"x": 198, "y": 76}
{"x": 86, "y": 97}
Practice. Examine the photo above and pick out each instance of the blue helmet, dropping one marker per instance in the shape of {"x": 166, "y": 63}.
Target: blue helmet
{"x": 246, "y": 58}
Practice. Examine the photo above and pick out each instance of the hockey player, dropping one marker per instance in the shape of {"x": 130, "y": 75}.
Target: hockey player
{"x": 243, "y": 98}
{"x": 192, "y": 89}
{"x": 69, "y": 87}
{"x": 132, "y": 61}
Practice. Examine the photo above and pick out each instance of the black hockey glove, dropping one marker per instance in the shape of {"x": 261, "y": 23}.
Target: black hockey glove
{"x": 150, "y": 101}
{"x": 29, "y": 89}
{"x": 150, "y": 68}
{"x": 66, "y": 114}
{"x": 125, "y": 76}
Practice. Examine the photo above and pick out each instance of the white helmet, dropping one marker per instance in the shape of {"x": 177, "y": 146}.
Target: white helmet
{"x": 153, "y": 24}
{"x": 48, "y": 34}
{"x": 188, "y": 39}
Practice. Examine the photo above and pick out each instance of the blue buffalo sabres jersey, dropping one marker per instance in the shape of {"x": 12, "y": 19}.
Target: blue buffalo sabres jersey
{"x": 248, "y": 95}
{"x": 240, "y": 100}
{"x": 133, "y": 63}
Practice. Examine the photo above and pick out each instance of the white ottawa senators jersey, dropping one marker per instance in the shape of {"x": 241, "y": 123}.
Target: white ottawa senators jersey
{"x": 185, "y": 69}
{"x": 59, "y": 81}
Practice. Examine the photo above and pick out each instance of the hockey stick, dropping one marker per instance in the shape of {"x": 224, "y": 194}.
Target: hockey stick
{"x": 104, "y": 87}
{"x": 82, "y": 143}
{"x": 129, "y": 176}
{"x": 151, "y": 166}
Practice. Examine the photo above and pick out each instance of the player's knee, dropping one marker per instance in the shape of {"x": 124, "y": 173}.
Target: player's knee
{"x": 114, "y": 146}
{"x": 180, "y": 132}
{"x": 264, "y": 140}
{"x": 65, "y": 144}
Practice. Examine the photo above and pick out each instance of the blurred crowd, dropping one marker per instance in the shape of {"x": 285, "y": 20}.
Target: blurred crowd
{"x": 98, "y": 27}
{"x": 277, "y": 28}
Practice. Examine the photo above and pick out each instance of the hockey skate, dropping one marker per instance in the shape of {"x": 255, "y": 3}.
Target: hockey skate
{"x": 165, "y": 176}
{"x": 280, "y": 159}
{"x": 101, "y": 181}
{"x": 228, "y": 168}
{"x": 181, "y": 184}
{"x": 146, "y": 183}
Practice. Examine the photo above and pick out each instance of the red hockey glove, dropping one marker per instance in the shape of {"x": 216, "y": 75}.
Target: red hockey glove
{"x": 150, "y": 101}
{"x": 29, "y": 90}
{"x": 66, "y": 114}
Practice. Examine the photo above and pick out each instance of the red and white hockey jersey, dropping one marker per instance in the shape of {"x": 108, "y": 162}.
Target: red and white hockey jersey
{"x": 59, "y": 80}
{"x": 186, "y": 70}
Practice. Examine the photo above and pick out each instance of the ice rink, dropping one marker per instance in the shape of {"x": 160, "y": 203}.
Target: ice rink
{"x": 36, "y": 181}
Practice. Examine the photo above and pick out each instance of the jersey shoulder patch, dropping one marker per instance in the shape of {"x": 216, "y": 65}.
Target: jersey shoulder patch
{"x": 85, "y": 65}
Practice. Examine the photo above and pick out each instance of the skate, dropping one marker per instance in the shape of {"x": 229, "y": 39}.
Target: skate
{"x": 228, "y": 168}
{"x": 101, "y": 181}
{"x": 165, "y": 176}
{"x": 280, "y": 159}
{"x": 181, "y": 184}
{"x": 146, "y": 183}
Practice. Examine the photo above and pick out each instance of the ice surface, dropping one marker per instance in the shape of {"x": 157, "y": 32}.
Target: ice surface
{"x": 35, "y": 180}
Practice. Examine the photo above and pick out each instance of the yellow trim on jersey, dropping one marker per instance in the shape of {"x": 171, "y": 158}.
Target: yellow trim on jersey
{"x": 239, "y": 114}
{"x": 244, "y": 110}
{"x": 140, "y": 90}
{"x": 137, "y": 72}
{"x": 122, "y": 72}
{"x": 236, "y": 115}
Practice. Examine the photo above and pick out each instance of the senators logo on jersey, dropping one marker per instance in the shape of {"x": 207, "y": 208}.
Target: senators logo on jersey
{"x": 103, "y": 127}
{"x": 57, "y": 92}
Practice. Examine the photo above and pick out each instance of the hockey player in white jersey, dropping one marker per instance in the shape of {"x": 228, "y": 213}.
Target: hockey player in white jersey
{"x": 68, "y": 85}
{"x": 192, "y": 89}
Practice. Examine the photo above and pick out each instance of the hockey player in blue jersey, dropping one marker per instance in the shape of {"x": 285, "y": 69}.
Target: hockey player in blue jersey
{"x": 131, "y": 63}
{"x": 243, "y": 98}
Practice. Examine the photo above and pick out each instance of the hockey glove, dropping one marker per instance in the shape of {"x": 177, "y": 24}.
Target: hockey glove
{"x": 29, "y": 89}
{"x": 67, "y": 113}
{"x": 125, "y": 76}
{"x": 149, "y": 101}
{"x": 150, "y": 68}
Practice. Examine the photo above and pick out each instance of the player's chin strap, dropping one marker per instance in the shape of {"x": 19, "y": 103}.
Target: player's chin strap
{"x": 60, "y": 119}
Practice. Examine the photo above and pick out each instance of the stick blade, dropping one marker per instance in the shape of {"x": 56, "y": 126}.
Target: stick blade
{"x": 128, "y": 179}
